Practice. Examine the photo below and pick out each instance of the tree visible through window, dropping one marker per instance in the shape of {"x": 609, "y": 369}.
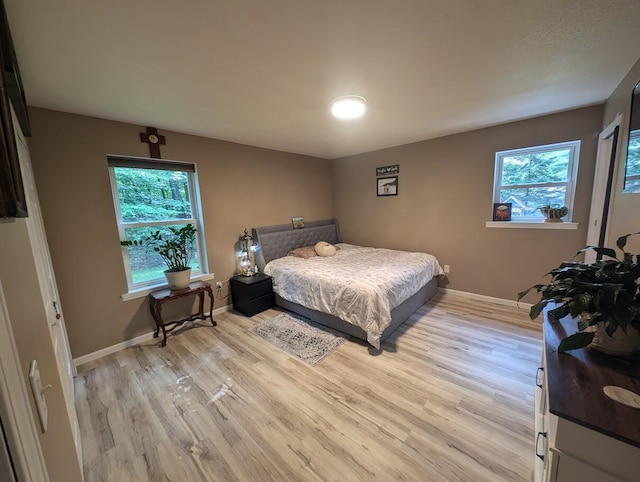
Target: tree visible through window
{"x": 151, "y": 196}
{"x": 537, "y": 176}
{"x": 632, "y": 169}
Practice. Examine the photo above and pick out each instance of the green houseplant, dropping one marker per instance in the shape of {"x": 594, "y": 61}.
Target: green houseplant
{"x": 604, "y": 294}
{"x": 176, "y": 248}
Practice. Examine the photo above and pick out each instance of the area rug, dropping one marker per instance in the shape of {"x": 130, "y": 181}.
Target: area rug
{"x": 300, "y": 337}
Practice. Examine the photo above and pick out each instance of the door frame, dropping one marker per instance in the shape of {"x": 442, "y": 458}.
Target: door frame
{"x": 15, "y": 406}
{"x": 602, "y": 195}
{"x": 49, "y": 290}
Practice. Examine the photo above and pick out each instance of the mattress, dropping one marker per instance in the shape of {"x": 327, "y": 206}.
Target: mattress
{"x": 360, "y": 285}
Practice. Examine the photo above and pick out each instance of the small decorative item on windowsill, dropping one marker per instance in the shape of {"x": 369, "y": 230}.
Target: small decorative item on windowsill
{"x": 603, "y": 296}
{"x": 553, "y": 213}
{"x": 246, "y": 256}
{"x": 502, "y": 211}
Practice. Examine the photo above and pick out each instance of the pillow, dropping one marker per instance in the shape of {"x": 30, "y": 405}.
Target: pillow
{"x": 325, "y": 249}
{"x": 304, "y": 252}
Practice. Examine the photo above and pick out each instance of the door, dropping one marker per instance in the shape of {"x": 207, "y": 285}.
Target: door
{"x": 7, "y": 472}
{"x": 601, "y": 198}
{"x": 49, "y": 290}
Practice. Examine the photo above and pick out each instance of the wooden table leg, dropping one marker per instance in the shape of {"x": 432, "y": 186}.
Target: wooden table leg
{"x": 201, "y": 305}
{"x": 164, "y": 330}
{"x": 210, "y": 293}
{"x": 152, "y": 307}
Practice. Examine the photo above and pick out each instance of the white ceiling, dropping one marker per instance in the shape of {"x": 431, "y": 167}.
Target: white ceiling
{"x": 264, "y": 72}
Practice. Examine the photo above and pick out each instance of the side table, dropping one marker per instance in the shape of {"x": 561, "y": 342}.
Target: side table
{"x": 158, "y": 298}
{"x": 251, "y": 294}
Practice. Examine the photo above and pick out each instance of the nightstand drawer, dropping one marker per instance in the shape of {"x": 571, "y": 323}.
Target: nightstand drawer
{"x": 252, "y": 294}
{"x": 258, "y": 305}
{"x": 259, "y": 289}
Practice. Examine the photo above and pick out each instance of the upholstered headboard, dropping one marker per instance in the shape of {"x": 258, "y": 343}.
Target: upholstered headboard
{"x": 277, "y": 241}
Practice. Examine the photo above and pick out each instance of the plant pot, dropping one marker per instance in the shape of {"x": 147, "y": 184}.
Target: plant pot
{"x": 178, "y": 280}
{"x": 554, "y": 215}
{"x": 620, "y": 344}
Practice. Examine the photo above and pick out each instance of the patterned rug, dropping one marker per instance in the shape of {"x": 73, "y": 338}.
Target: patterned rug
{"x": 300, "y": 337}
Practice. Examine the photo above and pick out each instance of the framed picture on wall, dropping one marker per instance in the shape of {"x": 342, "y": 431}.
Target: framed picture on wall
{"x": 298, "y": 222}
{"x": 386, "y": 170}
{"x": 387, "y": 186}
{"x": 502, "y": 211}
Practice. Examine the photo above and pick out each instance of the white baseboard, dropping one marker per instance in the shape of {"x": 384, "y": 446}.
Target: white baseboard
{"x": 490, "y": 299}
{"x": 128, "y": 343}
{"x": 112, "y": 349}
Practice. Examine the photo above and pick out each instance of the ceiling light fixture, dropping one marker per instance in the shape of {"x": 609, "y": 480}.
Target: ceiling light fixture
{"x": 348, "y": 107}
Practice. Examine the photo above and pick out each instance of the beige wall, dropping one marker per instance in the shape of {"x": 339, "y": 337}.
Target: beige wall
{"x": 625, "y": 210}
{"x": 241, "y": 186}
{"x": 31, "y": 332}
{"x": 445, "y": 197}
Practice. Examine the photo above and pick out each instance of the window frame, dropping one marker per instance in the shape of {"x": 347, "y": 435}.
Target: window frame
{"x": 570, "y": 183}
{"x": 196, "y": 213}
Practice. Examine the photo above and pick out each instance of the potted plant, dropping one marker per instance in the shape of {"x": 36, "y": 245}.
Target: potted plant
{"x": 553, "y": 213}
{"x": 176, "y": 249}
{"x": 605, "y": 296}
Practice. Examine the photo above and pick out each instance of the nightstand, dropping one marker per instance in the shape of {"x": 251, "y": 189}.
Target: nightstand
{"x": 251, "y": 294}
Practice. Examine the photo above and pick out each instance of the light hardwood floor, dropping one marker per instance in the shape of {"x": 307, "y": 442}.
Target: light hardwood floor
{"x": 450, "y": 398}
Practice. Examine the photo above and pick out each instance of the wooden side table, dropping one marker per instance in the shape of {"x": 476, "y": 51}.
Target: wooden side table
{"x": 158, "y": 298}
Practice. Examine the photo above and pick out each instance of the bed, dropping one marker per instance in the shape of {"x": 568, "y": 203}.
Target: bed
{"x": 365, "y": 311}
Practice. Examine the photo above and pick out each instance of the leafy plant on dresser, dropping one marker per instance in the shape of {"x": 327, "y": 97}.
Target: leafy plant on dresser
{"x": 604, "y": 294}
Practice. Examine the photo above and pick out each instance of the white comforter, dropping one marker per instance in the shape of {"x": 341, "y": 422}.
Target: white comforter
{"x": 359, "y": 285}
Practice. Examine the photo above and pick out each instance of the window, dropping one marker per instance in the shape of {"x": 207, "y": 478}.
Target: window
{"x": 536, "y": 176}
{"x": 151, "y": 195}
{"x": 632, "y": 172}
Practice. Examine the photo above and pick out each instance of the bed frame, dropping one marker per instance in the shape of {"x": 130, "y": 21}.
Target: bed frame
{"x": 277, "y": 241}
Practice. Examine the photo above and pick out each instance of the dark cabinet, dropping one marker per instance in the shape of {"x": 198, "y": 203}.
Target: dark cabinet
{"x": 12, "y": 196}
{"x": 252, "y": 294}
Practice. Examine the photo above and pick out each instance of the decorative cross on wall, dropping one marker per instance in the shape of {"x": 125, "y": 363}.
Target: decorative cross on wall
{"x": 154, "y": 140}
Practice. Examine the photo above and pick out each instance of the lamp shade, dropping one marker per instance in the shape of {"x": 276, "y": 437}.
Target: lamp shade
{"x": 245, "y": 255}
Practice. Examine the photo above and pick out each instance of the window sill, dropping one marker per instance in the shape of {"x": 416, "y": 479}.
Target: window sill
{"x": 530, "y": 225}
{"x": 142, "y": 292}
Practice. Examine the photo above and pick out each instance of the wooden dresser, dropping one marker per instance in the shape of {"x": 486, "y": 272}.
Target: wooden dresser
{"x": 581, "y": 434}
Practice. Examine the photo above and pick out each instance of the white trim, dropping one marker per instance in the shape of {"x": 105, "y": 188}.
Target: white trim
{"x": 569, "y": 184}
{"x": 15, "y": 408}
{"x": 203, "y": 258}
{"x": 112, "y": 349}
{"x": 129, "y": 343}
{"x": 530, "y": 225}
{"x": 151, "y": 224}
{"x": 142, "y": 292}
{"x": 604, "y": 157}
{"x": 490, "y": 299}
{"x": 196, "y": 219}
{"x": 608, "y": 131}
